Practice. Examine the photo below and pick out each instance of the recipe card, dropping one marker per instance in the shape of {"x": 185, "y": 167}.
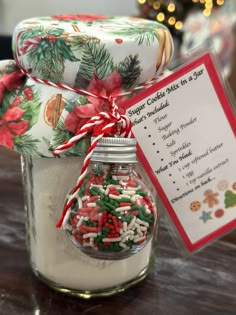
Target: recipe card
{"x": 186, "y": 129}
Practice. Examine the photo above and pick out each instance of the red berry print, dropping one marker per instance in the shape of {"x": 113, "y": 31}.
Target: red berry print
{"x": 51, "y": 38}
{"x": 28, "y": 94}
{"x": 119, "y": 40}
{"x": 219, "y": 213}
{"x": 16, "y": 102}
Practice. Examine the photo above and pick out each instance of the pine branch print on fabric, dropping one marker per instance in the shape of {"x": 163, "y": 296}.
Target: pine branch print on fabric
{"x": 142, "y": 35}
{"x": 46, "y": 51}
{"x": 27, "y": 145}
{"x": 95, "y": 60}
{"x": 61, "y": 134}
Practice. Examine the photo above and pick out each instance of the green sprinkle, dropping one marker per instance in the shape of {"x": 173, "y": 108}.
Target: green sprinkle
{"x": 105, "y": 231}
{"x": 110, "y": 206}
{"x": 93, "y": 192}
{"x": 141, "y": 216}
{"x": 141, "y": 192}
{"x": 124, "y": 200}
{"x": 129, "y": 243}
{"x": 128, "y": 218}
{"x": 136, "y": 207}
{"x": 73, "y": 215}
{"x": 100, "y": 203}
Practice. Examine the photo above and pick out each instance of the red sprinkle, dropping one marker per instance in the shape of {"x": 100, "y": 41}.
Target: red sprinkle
{"x": 87, "y": 229}
{"x": 120, "y": 223}
{"x": 92, "y": 199}
{"x": 114, "y": 192}
{"x": 94, "y": 211}
{"x": 83, "y": 229}
{"x": 86, "y": 209}
{"x": 131, "y": 183}
{"x": 91, "y": 228}
{"x": 124, "y": 204}
{"x": 100, "y": 224}
{"x": 108, "y": 225}
{"x": 135, "y": 212}
{"x": 95, "y": 218}
{"x": 114, "y": 219}
{"x": 140, "y": 242}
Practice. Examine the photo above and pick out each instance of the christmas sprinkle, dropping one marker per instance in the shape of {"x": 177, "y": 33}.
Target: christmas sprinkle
{"x": 112, "y": 213}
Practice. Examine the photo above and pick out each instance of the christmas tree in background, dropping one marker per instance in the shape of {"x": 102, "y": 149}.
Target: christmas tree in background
{"x": 172, "y": 13}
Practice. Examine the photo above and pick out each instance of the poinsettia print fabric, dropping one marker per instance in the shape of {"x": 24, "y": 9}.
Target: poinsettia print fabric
{"x": 102, "y": 55}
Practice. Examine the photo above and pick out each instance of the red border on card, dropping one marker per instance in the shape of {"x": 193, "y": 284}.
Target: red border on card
{"x": 206, "y": 60}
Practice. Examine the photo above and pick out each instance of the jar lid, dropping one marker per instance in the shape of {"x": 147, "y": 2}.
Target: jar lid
{"x": 100, "y": 55}
{"x": 69, "y": 48}
{"x": 115, "y": 150}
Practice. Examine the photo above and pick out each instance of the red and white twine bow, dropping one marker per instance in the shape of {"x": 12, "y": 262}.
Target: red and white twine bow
{"x": 106, "y": 121}
{"x": 100, "y": 125}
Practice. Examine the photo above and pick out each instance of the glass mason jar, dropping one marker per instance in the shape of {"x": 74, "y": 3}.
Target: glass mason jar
{"x": 109, "y": 236}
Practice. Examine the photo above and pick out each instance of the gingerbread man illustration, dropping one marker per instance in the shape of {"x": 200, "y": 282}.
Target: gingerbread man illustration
{"x": 211, "y": 198}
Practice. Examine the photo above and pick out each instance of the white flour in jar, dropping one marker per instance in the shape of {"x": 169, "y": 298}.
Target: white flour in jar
{"x": 52, "y": 253}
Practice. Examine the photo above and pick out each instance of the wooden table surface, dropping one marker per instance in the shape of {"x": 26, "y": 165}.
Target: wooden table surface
{"x": 202, "y": 284}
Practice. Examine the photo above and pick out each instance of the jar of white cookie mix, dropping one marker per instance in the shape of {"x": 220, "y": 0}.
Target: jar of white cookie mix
{"x": 66, "y": 69}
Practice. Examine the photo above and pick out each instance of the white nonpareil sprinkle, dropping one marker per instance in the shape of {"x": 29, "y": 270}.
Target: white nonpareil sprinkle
{"x": 139, "y": 232}
{"x": 135, "y": 197}
{"x": 132, "y": 188}
{"x": 120, "y": 177}
{"x": 136, "y": 240}
{"x": 137, "y": 226}
{"x": 128, "y": 192}
{"x": 148, "y": 211}
{"x": 84, "y": 198}
{"x": 88, "y": 235}
{"x": 114, "y": 196}
{"x": 97, "y": 186}
{"x": 141, "y": 222}
{"x": 80, "y": 204}
{"x": 116, "y": 239}
{"x": 124, "y": 226}
{"x": 143, "y": 228}
{"x": 126, "y": 235}
{"x": 132, "y": 223}
{"x": 124, "y": 196}
{"x": 91, "y": 241}
{"x": 122, "y": 183}
{"x": 80, "y": 222}
{"x": 121, "y": 209}
{"x": 91, "y": 204}
{"x": 123, "y": 245}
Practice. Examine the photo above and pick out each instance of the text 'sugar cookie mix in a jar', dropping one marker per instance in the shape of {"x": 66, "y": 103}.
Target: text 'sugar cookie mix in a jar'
{"x": 92, "y": 222}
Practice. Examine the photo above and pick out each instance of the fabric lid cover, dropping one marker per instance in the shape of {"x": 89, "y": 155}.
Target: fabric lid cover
{"x": 103, "y": 55}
